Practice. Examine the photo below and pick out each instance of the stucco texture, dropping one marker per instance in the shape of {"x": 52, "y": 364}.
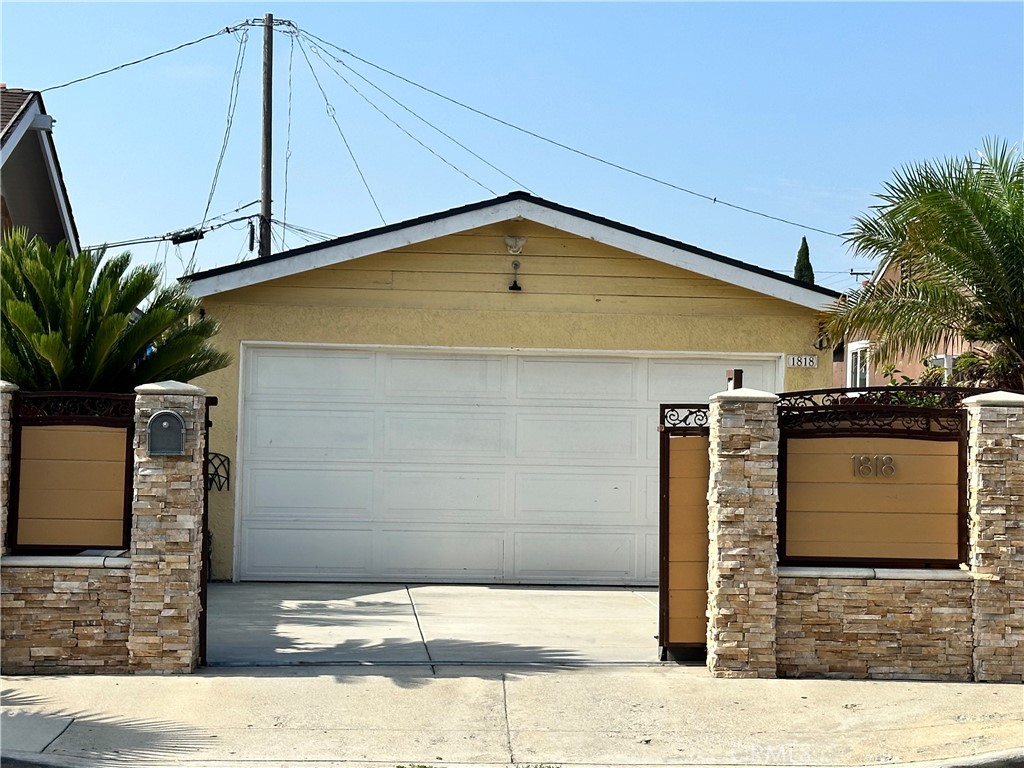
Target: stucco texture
{"x": 453, "y": 292}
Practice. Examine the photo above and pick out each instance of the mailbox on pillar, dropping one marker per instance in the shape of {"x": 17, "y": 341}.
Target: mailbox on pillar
{"x": 166, "y": 434}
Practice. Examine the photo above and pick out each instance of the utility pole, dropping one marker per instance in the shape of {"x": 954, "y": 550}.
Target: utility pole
{"x": 268, "y": 84}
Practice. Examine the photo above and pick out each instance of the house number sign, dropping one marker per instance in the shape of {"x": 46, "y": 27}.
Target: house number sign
{"x": 874, "y": 466}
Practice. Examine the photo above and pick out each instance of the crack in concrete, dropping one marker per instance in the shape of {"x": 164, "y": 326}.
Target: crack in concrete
{"x": 508, "y": 726}
{"x": 419, "y": 628}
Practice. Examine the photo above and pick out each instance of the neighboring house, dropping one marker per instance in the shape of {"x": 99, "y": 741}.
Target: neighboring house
{"x": 32, "y": 191}
{"x": 397, "y": 410}
{"x": 853, "y": 365}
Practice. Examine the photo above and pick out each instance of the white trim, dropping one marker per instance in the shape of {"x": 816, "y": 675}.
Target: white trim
{"x": 857, "y": 346}
{"x": 63, "y": 207}
{"x": 23, "y": 127}
{"x": 26, "y": 123}
{"x": 236, "y": 552}
{"x": 512, "y": 210}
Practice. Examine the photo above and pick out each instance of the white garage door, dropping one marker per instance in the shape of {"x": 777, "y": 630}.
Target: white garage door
{"x": 447, "y": 466}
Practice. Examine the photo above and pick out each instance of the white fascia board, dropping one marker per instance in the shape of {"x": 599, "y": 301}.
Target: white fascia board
{"x": 508, "y": 211}
{"x": 23, "y": 126}
{"x": 63, "y": 206}
{"x": 679, "y": 257}
{"x": 339, "y": 254}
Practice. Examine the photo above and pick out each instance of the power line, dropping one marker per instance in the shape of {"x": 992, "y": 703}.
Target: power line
{"x": 399, "y": 127}
{"x": 288, "y": 134}
{"x": 581, "y": 153}
{"x": 422, "y": 119}
{"x": 232, "y": 103}
{"x": 331, "y": 112}
{"x": 226, "y": 30}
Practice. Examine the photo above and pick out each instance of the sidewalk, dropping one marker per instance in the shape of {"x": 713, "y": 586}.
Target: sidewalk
{"x": 466, "y": 715}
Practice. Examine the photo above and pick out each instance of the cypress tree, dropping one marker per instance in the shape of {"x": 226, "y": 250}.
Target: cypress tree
{"x": 803, "y": 271}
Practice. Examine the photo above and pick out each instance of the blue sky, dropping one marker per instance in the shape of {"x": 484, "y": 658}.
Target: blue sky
{"x": 799, "y": 110}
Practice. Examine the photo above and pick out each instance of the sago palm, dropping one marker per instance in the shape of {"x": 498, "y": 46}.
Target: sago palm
{"x": 89, "y": 323}
{"x": 952, "y": 232}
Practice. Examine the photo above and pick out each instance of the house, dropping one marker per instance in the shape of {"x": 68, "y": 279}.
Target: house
{"x": 32, "y": 191}
{"x": 853, "y": 366}
{"x": 473, "y": 395}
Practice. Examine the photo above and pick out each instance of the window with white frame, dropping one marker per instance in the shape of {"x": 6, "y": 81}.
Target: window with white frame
{"x": 857, "y": 354}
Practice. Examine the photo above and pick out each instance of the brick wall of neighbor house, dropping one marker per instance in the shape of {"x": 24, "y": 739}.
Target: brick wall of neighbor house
{"x": 874, "y": 628}
{"x": 64, "y": 620}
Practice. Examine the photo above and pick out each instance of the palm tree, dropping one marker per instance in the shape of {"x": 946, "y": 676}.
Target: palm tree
{"x": 952, "y": 232}
{"x": 83, "y": 323}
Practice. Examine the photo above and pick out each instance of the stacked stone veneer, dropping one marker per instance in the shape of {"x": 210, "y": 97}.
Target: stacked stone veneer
{"x": 901, "y": 628}
{"x": 6, "y": 391}
{"x": 863, "y": 623}
{"x": 167, "y": 526}
{"x": 742, "y": 534}
{"x": 58, "y": 619}
{"x": 995, "y": 471}
{"x": 134, "y": 613}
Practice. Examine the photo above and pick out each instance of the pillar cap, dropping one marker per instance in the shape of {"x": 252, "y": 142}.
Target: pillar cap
{"x": 6, "y": 386}
{"x": 996, "y": 399}
{"x": 169, "y": 388}
{"x": 744, "y": 395}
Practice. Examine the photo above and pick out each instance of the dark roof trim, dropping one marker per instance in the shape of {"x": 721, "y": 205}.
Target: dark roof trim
{"x": 512, "y": 196}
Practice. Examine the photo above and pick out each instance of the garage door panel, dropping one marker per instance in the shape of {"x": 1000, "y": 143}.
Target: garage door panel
{"x": 436, "y": 496}
{"x": 548, "y": 378}
{"x": 696, "y": 380}
{"x": 434, "y": 465}
{"x": 312, "y": 372}
{"x": 310, "y": 433}
{"x": 587, "y": 436}
{"x": 294, "y": 494}
{"x": 452, "y": 553}
{"x": 449, "y": 376}
{"x": 575, "y": 556}
{"x": 451, "y": 434}
{"x": 307, "y": 553}
{"x": 585, "y": 498}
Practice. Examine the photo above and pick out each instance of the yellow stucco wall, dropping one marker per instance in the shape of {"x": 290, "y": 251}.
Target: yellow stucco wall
{"x": 453, "y": 291}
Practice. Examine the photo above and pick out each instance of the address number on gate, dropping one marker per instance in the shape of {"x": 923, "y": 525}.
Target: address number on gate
{"x": 874, "y": 466}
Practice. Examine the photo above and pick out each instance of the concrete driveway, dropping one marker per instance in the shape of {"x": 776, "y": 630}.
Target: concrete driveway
{"x": 300, "y": 623}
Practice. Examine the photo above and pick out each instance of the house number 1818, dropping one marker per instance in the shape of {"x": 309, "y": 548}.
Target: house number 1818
{"x": 874, "y": 466}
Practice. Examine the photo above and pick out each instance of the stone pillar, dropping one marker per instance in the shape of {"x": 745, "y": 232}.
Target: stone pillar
{"x": 995, "y": 503}
{"x": 167, "y": 529}
{"x": 743, "y": 534}
{"x": 7, "y": 390}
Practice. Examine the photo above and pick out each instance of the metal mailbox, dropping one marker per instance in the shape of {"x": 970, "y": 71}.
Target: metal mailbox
{"x": 166, "y": 434}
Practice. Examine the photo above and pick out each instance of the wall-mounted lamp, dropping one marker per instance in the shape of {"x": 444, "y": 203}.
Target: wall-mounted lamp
{"x": 514, "y": 245}
{"x": 515, "y": 277}
{"x": 824, "y": 341}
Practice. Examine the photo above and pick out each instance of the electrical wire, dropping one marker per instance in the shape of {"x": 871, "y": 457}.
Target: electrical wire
{"x": 331, "y": 112}
{"x": 288, "y": 134}
{"x": 226, "y": 30}
{"x": 388, "y": 117}
{"x": 232, "y": 103}
{"x": 357, "y": 73}
{"x": 169, "y": 235}
{"x": 639, "y": 174}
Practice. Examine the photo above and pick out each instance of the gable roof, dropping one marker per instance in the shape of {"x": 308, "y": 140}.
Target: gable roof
{"x": 510, "y": 207}
{"x": 23, "y": 117}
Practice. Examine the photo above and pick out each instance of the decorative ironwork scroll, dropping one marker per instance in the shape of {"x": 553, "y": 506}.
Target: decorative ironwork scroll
{"x": 69, "y": 407}
{"x": 684, "y": 416}
{"x": 218, "y": 472}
